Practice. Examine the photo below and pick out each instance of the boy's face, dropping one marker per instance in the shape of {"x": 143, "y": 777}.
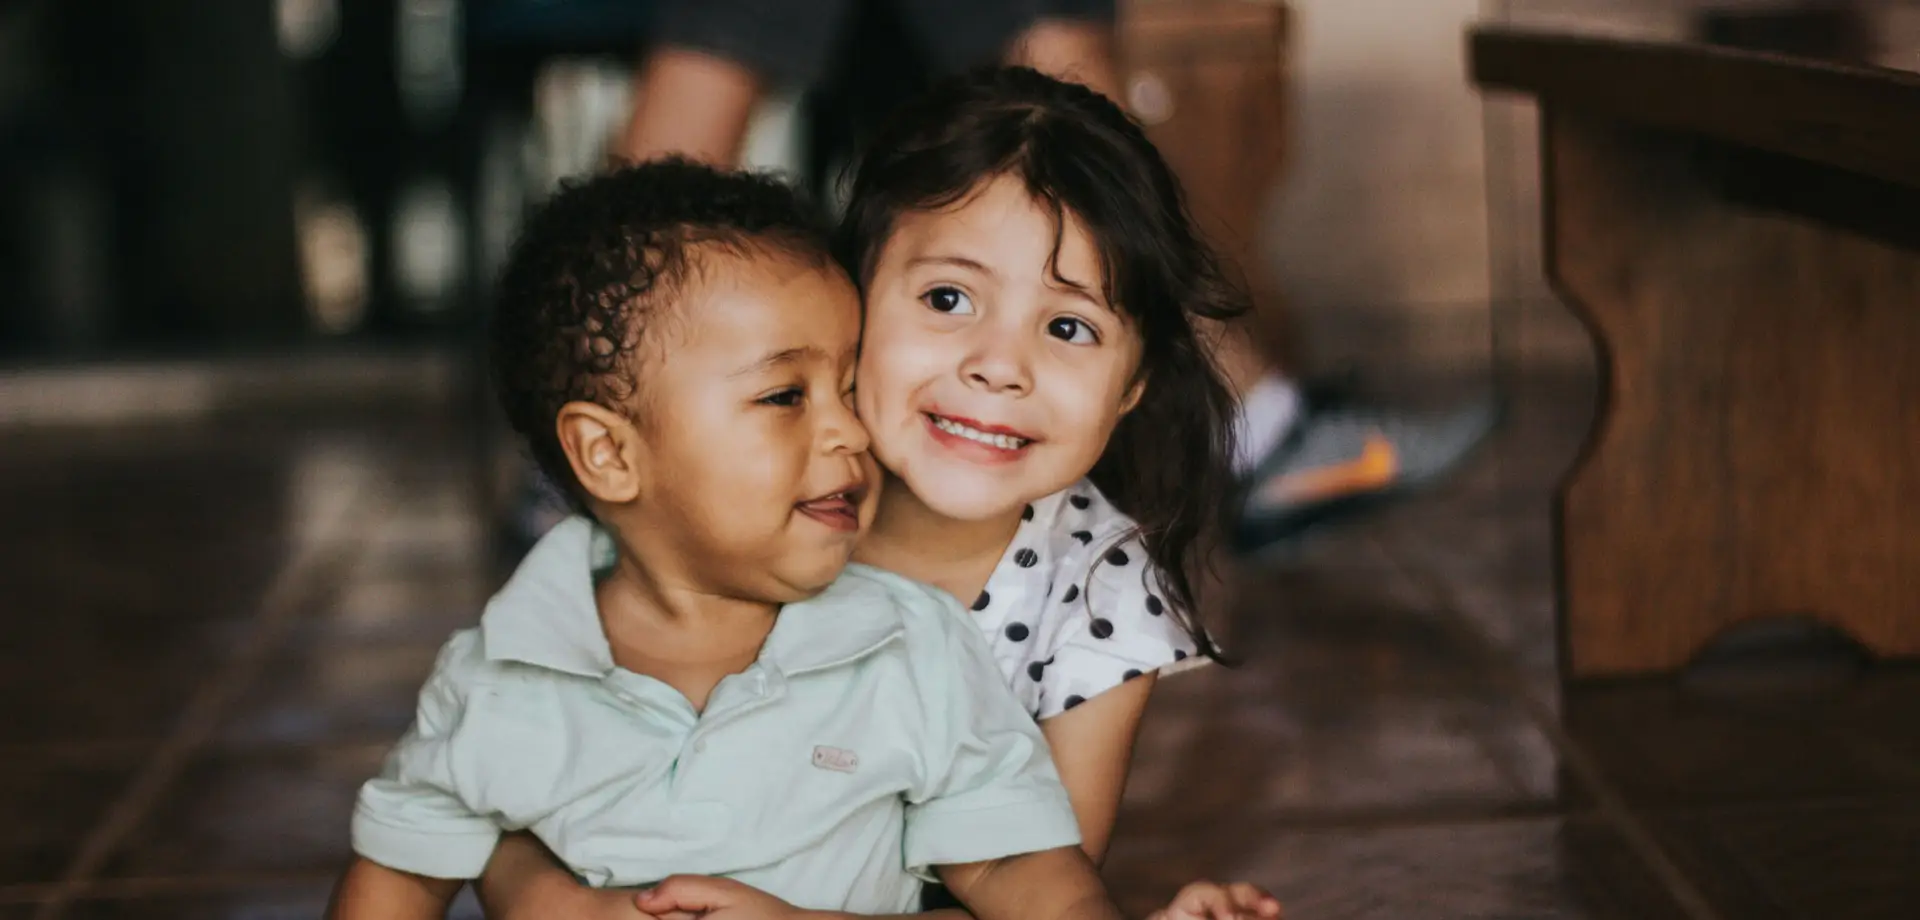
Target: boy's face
{"x": 993, "y": 373}
{"x": 753, "y": 466}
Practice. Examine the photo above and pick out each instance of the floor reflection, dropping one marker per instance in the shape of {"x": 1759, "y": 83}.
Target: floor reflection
{"x": 216, "y": 629}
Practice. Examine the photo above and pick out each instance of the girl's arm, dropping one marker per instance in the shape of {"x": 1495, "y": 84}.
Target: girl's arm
{"x": 369, "y": 891}
{"x": 525, "y": 881}
{"x": 1093, "y": 748}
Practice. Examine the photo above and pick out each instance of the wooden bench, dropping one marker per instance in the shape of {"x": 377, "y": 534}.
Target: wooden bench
{"x": 1740, "y": 233}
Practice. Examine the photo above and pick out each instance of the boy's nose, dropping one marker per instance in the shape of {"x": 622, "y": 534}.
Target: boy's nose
{"x": 842, "y": 431}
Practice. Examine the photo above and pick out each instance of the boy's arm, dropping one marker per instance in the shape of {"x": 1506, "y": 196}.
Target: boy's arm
{"x": 1058, "y": 884}
{"x": 415, "y": 826}
{"x": 370, "y": 891}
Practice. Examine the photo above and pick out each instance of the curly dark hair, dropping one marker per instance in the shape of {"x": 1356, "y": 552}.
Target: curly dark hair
{"x": 1167, "y": 464}
{"x": 596, "y": 260}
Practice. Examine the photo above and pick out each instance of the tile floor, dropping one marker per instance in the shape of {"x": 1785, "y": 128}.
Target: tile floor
{"x": 212, "y": 631}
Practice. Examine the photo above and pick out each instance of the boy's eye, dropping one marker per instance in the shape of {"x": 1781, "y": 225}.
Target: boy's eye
{"x": 1073, "y": 331}
{"x": 788, "y": 397}
{"x": 948, "y": 300}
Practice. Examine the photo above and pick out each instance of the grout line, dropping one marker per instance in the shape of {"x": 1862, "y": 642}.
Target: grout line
{"x": 165, "y": 886}
{"x": 1609, "y": 802}
{"x": 331, "y": 549}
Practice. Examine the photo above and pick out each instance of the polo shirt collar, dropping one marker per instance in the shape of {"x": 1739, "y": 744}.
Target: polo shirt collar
{"x": 547, "y": 614}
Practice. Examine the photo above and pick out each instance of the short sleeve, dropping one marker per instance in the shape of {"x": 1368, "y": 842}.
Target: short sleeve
{"x": 989, "y": 788}
{"x": 1116, "y": 627}
{"x": 411, "y": 817}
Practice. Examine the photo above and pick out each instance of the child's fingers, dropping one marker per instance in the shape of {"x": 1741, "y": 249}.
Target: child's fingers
{"x": 684, "y": 894}
{"x": 1251, "y": 900}
{"x": 1211, "y": 901}
{"x": 1203, "y": 899}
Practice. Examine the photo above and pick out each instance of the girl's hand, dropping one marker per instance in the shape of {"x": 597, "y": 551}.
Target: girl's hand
{"x": 1208, "y": 901}
{"x": 685, "y": 897}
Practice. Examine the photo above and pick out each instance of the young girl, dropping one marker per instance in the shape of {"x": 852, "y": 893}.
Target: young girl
{"x": 1055, "y": 439}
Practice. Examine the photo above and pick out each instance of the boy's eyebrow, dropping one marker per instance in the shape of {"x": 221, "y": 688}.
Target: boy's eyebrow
{"x": 783, "y": 357}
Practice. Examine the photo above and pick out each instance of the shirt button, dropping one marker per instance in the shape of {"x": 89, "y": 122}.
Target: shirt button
{"x": 700, "y": 747}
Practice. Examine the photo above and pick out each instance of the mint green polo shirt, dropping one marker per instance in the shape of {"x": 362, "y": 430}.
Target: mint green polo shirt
{"x": 873, "y": 739}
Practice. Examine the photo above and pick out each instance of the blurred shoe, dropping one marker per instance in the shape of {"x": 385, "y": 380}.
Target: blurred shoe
{"x": 1343, "y": 459}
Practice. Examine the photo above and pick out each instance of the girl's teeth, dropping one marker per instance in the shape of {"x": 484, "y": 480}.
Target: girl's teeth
{"x": 1002, "y": 441}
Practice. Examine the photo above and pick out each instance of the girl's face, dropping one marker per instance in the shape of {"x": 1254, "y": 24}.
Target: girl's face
{"x": 991, "y": 374}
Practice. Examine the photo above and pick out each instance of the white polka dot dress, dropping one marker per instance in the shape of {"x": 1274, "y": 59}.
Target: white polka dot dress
{"x": 1073, "y": 610}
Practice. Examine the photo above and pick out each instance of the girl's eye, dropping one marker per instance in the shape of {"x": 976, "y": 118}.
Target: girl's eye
{"x": 948, "y": 300}
{"x": 786, "y": 398}
{"x": 1073, "y": 331}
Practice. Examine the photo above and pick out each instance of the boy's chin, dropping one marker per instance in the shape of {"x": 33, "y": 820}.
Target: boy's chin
{"x": 802, "y": 580}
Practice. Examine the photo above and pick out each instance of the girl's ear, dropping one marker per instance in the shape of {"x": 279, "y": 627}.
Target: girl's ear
{"x": 1132, "y": 398}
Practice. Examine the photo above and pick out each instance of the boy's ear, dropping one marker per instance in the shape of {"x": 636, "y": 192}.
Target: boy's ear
{"x": 603, "y": 447}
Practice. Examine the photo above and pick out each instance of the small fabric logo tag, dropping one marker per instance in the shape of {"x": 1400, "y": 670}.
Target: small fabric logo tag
{"x": 836, "y": 759}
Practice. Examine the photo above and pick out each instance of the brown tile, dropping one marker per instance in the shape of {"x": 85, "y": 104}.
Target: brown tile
{"x": 51, "y": 804}
{"x": 1667, "y": 744}
{"x": 1219, "y": 747}
{"x": 361, "y": 693}
{"x": 419, "y": 604}
{"x": 1843, "y": 862}
{"x": 117, "y": 694}
{"x": 1545, "y": 869}
{"x": 260, "y": 811}
{"x": 290, "y": 900}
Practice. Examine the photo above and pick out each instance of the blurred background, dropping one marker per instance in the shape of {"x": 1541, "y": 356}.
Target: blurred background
{"x": 248, "y": 480}
{"x": 255, "y": 176}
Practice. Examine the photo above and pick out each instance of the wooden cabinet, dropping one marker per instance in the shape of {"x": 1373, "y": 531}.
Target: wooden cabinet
{"x": 1208, "y": 78}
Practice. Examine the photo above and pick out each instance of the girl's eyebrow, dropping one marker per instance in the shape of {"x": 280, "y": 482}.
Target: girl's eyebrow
{"x": 1064, "y": 285}
{"x": 956, "y": 261}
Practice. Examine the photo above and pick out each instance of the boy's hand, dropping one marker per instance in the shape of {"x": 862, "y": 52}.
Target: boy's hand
{"x": 1208, "y": 901}
{"x": 685, "y": 897}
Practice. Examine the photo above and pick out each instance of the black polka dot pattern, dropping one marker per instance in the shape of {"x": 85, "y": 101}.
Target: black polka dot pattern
{"x": 1046, "y": 580}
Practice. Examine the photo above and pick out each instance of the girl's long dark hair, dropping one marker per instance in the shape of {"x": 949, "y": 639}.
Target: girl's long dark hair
{"x": 1167, "y": 464}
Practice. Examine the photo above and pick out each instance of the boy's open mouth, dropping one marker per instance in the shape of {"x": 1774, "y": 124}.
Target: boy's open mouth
{"x": 980, "y": 433}
{"x": 839, "y": 509}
